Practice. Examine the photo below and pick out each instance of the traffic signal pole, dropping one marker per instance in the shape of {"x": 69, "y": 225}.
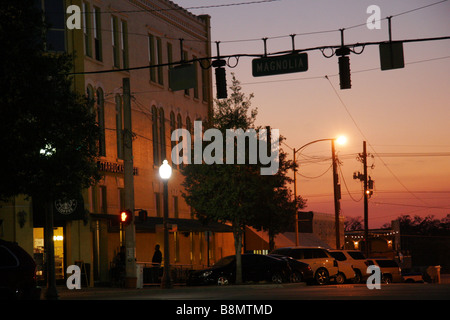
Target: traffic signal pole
{"x": 130, "y": 231}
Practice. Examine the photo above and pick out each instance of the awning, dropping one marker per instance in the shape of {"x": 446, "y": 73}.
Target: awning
{"x": 151, "y": 224}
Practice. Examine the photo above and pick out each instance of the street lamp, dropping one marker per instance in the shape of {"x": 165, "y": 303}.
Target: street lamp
{"x": 165, "y": 171}
{"x": 339, "y": 140}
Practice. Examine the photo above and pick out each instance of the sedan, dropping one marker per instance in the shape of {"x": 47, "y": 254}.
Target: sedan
{"x": 255, "y": 267}
{"x": 299, "y": 271}
{"x": 17, "y": 273}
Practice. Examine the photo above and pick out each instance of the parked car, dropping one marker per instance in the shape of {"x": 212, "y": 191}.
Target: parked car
{"x": 346, "y": 272}
{"x": 255, "y": 267}
{"x": 323, "y": 265}
{"x": 299, "y": 271}
{"x": 390, "y": 271}
{"x": 17, "y": 273}
{"x": 355, "y": 259}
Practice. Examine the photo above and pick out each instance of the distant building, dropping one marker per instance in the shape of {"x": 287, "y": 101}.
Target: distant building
{"x": 121, "y": 34}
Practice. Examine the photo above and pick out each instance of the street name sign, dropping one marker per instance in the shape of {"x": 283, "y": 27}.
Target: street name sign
{"x": 290, "y": 63}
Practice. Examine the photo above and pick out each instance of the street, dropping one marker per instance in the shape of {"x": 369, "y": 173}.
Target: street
{"x": 288, "y": 291}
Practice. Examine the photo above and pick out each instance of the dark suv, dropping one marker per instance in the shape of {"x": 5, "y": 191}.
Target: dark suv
{"x": 17, "y": 273}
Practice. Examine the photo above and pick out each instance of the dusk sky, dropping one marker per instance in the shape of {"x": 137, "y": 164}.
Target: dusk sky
{"x": 403, "y": 114}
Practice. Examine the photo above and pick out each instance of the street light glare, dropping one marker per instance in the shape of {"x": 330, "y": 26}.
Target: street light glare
{"x": 341, "y": 140}
{"x": 165, "y": 170}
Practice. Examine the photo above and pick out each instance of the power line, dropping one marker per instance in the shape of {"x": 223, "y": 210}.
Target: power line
{"x": 363, "y": 135}
{"x": 259, "y": 55}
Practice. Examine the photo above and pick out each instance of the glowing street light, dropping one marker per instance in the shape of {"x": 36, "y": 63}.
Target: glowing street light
{"x": 337, "y": 194}
{"x": 165, "y": 171}
{"x": 341, "y": 140}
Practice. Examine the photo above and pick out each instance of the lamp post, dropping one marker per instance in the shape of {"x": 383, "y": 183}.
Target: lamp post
{"x": 165, "y": 171}
{"x": 340, "y": 140}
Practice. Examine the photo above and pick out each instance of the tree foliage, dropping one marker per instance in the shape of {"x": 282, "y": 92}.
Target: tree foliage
{"x": 49, "y": 133}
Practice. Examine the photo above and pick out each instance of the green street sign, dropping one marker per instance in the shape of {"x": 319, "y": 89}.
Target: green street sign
{"x": 268, "y": 66}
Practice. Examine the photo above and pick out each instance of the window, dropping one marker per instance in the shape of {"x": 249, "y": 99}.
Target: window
{"x": 319, "y": 253}
{"x": 119, "y": 126}
{"x": 159, "y": 60}
{"x": 151, "y": 57}
{"x": 172, "y": 129}
{"x": 7, "y": 258}
{"x": 103, "y": 204}
{"x": 180, "y": 126}
{"x": 155, "y": 58}
{"x": 356, "y": 255}
{"x": 169, "y": 57}
{"x": 196, "y": 86}
{"x": 175, "y": 206}
{"x": 54, "y": 16}
{"x": 115, "y": 41}
{"x": 90, "y": 97}
{"x": 155, "y": 135}
{"x": 185, "y": 58}
{"x": 297, "y": 254}
{"x": 87, "y": 30}
{"x": 101, "y": 122}
{"x": 162, "y": 135}
{"x": 158, "y": 204}
{"x": 121, "y": 199}
{"x": 339, "y": 256}
{"x": 124, "y": 43}
{"x": 97, "y": 34}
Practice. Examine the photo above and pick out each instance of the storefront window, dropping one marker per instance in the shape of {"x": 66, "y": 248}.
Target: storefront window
{"x": 38, "y": 250}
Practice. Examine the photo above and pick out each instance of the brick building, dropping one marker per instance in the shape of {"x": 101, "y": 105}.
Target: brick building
{"x": 123, "y": 34}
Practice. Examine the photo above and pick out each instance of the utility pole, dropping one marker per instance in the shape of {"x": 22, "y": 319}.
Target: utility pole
{"x": 366, "y": 200}
{"x": 130, "y": 232}
{"x": 295, "y": 199}
{"x": 367, "y": 192}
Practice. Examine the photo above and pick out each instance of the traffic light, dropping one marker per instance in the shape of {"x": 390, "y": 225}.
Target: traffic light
{"x": 221, "y": 78}
{"x": 344, "y": 72}
{"x": 125, "y": 217}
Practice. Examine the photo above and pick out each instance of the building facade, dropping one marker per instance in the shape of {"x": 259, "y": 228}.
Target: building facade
{"x": 121, "y": 35}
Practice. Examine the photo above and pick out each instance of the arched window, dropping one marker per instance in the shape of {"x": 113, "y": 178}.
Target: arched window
{"x": 156, "y": 159}
{"x": 189, "y": 125}
{"x": 101, "y": 122}
{"x": 172, "y": 129}
{"x": 119, "y": 126}
{"x": 90, "y": 97}
{"x": 162, "y": 134}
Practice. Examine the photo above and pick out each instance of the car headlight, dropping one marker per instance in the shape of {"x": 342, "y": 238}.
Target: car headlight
{"x": 206, "y": 274}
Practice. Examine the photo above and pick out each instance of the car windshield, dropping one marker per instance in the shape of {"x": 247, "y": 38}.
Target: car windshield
{"x": 339, "y": 256}
{"x": 387, "y": 263}
{"x": 357, "y": 255}
{"x": 224, "y": 261}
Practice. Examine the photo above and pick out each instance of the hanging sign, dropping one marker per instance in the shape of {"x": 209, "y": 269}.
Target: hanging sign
{"x": 291, "y": 63}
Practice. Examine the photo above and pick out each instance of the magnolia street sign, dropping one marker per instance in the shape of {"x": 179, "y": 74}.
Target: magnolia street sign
{"x": 290, "y": 63}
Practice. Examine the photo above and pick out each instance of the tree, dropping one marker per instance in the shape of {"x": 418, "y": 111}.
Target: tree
{"x": 237, "y": 193}
{"x": 50, "y": 133}
{"x": 276, "y": 213}
{"x": 353, "y": 223}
